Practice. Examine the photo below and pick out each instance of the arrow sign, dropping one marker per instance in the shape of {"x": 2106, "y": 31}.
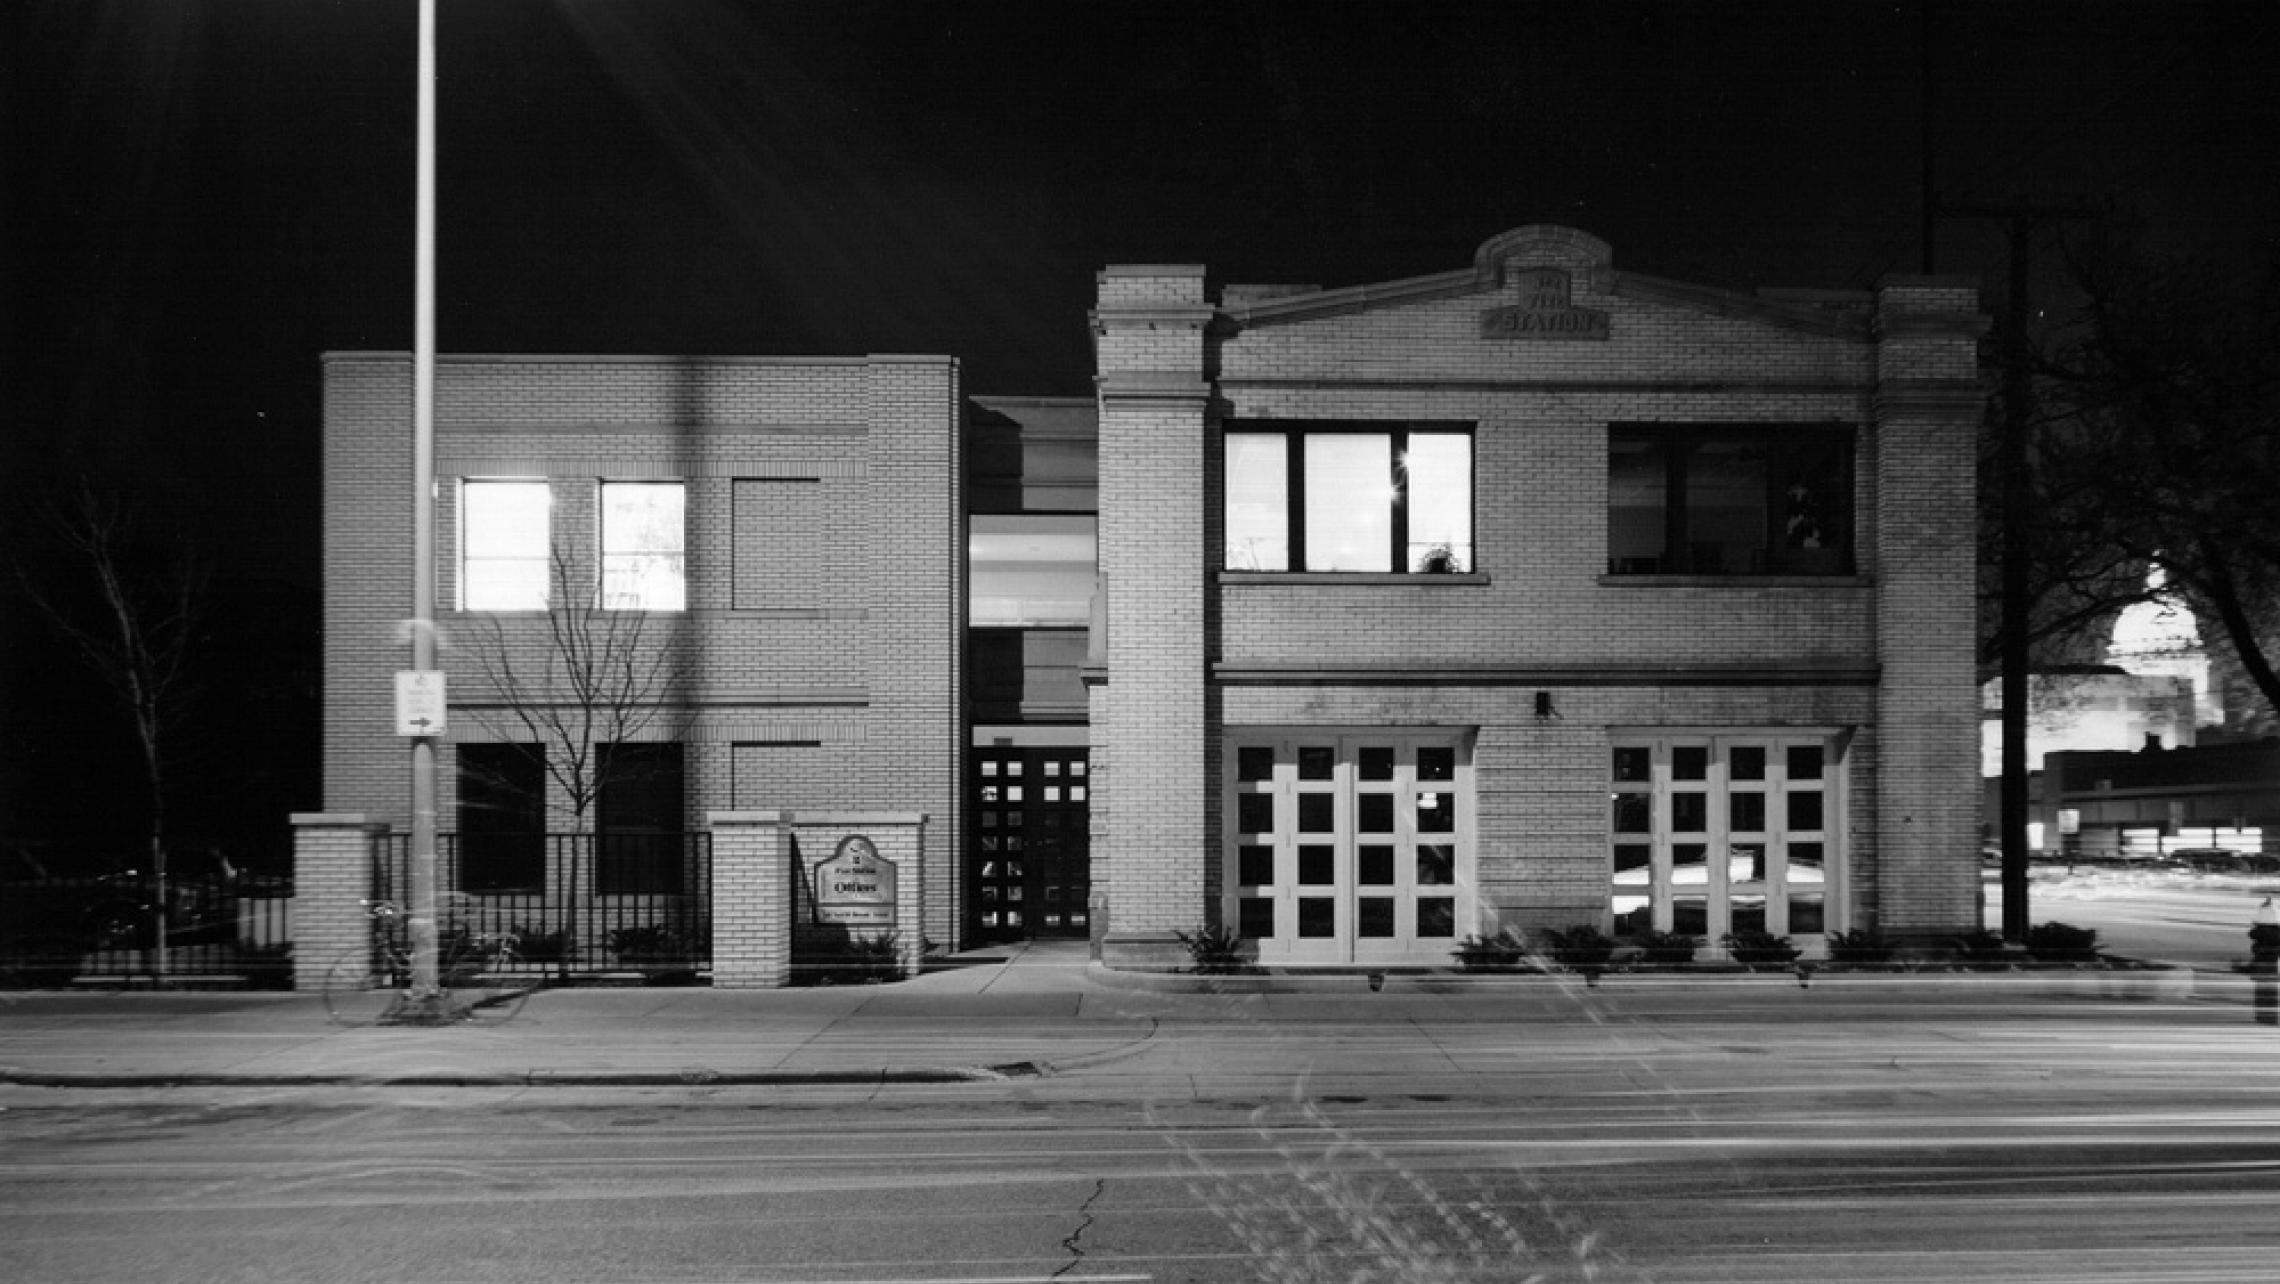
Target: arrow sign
{"x": 419, "y": 702}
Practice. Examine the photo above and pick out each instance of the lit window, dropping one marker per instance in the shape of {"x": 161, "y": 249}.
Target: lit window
{"x": 1696, "y": 500}
{"x": 503, "y": 546}
{"x": 642, "y": 564}
{"x": 1316, "y": 497}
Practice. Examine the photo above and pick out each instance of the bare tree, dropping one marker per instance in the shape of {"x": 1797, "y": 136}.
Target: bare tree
{"x": 137, "y": 631}
{"x": 2168, "y": 393}
{"x": 592, "y": 679}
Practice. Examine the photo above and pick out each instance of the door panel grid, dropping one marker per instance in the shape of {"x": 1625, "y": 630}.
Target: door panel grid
{"x": 1719, "y": 834}
{"x": 1348, "y": 848}
{"x": 1031, "y": 848}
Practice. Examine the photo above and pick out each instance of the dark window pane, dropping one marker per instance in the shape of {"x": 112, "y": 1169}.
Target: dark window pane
{"x": 1374, "y": 866}
{"x": 1745, "y": 811}
{"x": 1317, "y": 813}
{"x": 1436, "y": 916}
{"x": 1634, "y": 813}
{"x": 1638, "y": 503}
{"x": 502, "y": 818}
{"x": 1255, "y": 917}
{"x": 1317, "y": 865}
{"x": 1376, "y": 763}
{"x": 1804, "y": 762}
{"x": 1689, "y": 813}
{"x": 1317, "y": 762}
{"x": 1436, "y": 813}
{"x": 1805, "y": 810}
{"x": 1748, "y": 913}
{"x": 1255, "y": 866}
{"x": 1317, "y": 916}
{"x": 1690, "y": 762}
{"x": 1805, "y": 915}
{"x": 1437, "y": 764}
{"x": 637, "y": 819}
{"x": 1255, "y": 813}
{"x": 1725, "y": 504}
{"x": 1746, "y": 762}
{"x": 1634, "y": 763}
{"x": 1373, "y": 916}
{"x": 1690, "y": 915}
{"x": 1436, "y": 866}
{"x": 1255, "y": 762}
{"x": 1376, "y": 813}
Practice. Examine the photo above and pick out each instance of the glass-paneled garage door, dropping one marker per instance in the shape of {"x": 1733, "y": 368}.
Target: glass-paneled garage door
{"x": 1348, "y": 847}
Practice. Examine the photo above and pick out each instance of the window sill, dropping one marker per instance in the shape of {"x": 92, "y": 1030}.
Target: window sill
{"x": 1734, "y": 581}
{"x": 1353, "y": 579}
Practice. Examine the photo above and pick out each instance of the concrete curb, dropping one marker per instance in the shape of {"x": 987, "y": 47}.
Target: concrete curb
{"x": 2145, "y": 981}
{"x": 530, "y": 1078}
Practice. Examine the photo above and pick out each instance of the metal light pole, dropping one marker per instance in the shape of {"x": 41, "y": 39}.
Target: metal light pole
{"x": 424, "y": 1002}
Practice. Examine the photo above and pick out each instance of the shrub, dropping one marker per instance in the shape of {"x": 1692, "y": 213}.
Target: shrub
{"x": 2062, "y": 943}
{"x": 1761, "y": 947}
{"x": 1215, "y": 951}
{"x": 649, "y": 943}
{"x": 1860, "y": 946}
{"x": 1981, "y": 946}
{"x": 1667, "y": 947}
{"x": 1580, "y": 946}
{"x": 1491, "y": 953}
{"x": 534, "y": 946}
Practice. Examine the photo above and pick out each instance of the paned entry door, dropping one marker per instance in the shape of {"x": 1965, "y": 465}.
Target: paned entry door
{"x": 1349, "y": 848}
{"x": 1031, "y": 864}
{"x": 1727, "y": 833}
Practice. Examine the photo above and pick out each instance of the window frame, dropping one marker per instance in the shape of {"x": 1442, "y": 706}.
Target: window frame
{"x": 501, "y": 816}
{"x": 1676, "y": 443}
{"x": 1295, "y": 432}
{"x": 468, "y": 558}
{"x": 603, "y": 552}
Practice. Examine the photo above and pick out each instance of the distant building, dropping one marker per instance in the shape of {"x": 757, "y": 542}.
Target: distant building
{"x": 1356, "y": 621}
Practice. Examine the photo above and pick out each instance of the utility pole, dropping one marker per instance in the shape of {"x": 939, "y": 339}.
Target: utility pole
{"x": 2019, "y": 220}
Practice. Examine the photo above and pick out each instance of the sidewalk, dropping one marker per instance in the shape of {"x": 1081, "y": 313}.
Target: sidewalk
{"x": 1008, "y": 1013}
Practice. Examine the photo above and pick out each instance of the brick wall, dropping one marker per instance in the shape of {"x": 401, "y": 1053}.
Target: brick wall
{"x": 840, "y": 632}
{"x": 1880, "y": 659}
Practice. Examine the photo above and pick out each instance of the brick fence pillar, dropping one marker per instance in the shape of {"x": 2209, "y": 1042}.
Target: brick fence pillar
{"x": 332, "y": 877}
{"x": 751, "y": 900}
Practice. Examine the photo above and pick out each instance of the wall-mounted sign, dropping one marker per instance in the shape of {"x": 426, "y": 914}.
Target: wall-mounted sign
{"x": 855, "y": 886}
{"x": 1545, "y": 311}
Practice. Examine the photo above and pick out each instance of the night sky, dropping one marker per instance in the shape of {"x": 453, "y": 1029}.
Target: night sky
{"x": 202, "y": 197}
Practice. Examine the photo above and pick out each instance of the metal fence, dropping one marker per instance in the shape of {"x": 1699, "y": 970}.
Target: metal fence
{"x": 235, "y": 930}
{"x": 577, "y": 905}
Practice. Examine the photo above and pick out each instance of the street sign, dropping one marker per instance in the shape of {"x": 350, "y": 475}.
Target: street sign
{"x": 419, "y": 702}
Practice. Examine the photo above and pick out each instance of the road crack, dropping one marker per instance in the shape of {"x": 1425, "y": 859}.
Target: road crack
{"x": 1073, "y": 1243}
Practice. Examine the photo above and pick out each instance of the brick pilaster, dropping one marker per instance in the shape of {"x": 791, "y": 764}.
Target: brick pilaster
{"x": 332, "y": 876}
{"x": 751, "y": 900}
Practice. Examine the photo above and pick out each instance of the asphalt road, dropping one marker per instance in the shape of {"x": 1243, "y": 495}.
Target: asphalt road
{"x": 2174, "y": 916}
{"x": 2045, "y": 1141}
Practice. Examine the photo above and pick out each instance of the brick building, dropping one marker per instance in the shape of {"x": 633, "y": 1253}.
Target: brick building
{"x": 1530, "y": 594}
{"x": 1357, "y": 620}
{"x": 764, "y": 554}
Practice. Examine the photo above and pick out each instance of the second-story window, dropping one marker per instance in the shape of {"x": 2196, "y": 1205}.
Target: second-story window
{"x": 503, "y": 545}
{"x": 1700, "y": 499}
{"x": 1314, "y": 496}
{"x": 643, "y": 537}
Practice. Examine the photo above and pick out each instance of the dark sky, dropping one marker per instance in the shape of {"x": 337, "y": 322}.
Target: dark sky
{"x": 200, "y": 197}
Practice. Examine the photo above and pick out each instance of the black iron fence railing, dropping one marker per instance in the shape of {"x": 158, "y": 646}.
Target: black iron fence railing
{"x": 575, "y": 904}
{"x": 124, "y": 928}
